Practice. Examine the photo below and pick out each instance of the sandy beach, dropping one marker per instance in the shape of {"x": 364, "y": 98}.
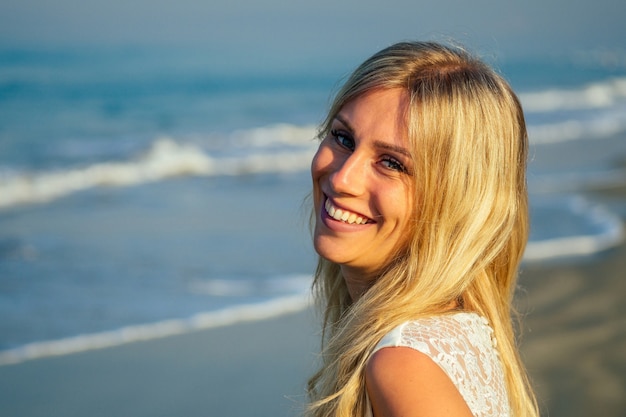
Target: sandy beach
{"x": 574, "y": 345}
{"x": 574, "y": 340}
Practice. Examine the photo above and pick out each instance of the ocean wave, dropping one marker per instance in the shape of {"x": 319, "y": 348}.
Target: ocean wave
{"x": 602, "y": 94}
{"x": 605, "y": 125}
{"x": 596, "y": 110}
{"x": 277, "y": 134}
{"x": 165, "y": 159}
{"x": 287, "y": 148}
{"x": 129, "y": 334}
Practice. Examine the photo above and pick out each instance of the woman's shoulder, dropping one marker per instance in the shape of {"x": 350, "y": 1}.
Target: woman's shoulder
{"x": 405, "y": 382}
{"x": 461, "y": 330}
{"x": 460, "y": 344}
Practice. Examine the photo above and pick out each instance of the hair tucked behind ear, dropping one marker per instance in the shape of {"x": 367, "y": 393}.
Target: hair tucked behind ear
{"x": 469, "y": 228}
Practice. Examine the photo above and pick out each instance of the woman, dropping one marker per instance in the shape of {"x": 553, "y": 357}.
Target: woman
{"x": 420, "y": 220}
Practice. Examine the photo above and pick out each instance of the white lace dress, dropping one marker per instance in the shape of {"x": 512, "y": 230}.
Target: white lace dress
{"x": 462, "y": 344}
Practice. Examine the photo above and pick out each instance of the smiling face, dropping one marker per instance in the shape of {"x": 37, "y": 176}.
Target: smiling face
{"x": 362, "y": 185}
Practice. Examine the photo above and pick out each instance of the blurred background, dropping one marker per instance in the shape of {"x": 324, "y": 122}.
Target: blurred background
{"x": 154, "y": 162}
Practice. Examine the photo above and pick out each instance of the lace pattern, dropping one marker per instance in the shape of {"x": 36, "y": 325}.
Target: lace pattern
{"x": 463, "y": 345}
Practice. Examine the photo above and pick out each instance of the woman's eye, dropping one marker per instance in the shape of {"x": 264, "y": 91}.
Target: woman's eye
{"x": 394, "y": 164}
{"x": 343, "y": 139}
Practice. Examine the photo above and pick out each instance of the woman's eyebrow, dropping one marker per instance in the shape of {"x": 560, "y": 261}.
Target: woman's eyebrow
{"x": 343, "y": 121}
{"x": 391, "y": 147}
{"x": 379, "y": 144}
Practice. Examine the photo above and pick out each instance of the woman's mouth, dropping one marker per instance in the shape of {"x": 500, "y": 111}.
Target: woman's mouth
{"x": 344, "y": 215}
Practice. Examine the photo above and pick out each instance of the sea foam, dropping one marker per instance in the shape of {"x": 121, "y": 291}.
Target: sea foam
{"x": 595, "y": 110}
{"x": 597, "y": 230}
{"x": 602, "y": 126}
{"x": 165, "y": 159}
{"x": 135, "y": 333}
{"x": 602, "y": 94}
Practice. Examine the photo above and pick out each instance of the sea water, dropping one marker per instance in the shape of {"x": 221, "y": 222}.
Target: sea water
{"x": 148, "y": 192}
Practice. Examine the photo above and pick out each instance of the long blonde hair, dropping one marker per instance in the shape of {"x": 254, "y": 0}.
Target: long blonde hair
{"x": 469, "y": 229}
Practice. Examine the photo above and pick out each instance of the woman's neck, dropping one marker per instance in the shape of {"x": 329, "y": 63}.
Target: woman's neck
{"x": 358, "y": 281}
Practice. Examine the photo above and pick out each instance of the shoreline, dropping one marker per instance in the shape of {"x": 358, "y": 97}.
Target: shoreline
{"x": 150, "y": 331}
{"x": 573, "y": 339}
{"x": 248, "y": 369}
{"x": 573, "y": 343}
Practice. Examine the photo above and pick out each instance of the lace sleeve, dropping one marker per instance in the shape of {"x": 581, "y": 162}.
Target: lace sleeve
{"x": 463, "y": 346}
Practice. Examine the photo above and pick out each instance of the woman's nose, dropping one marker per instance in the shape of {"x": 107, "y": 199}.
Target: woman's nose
{"x": 348, "y": 176}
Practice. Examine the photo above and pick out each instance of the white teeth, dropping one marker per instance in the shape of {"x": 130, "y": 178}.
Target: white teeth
{"x": 341, "y": 215}
{"x": 330, "y": 209}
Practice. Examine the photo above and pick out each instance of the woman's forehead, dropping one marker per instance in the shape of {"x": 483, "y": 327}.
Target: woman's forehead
{"x": 381, "y": 113}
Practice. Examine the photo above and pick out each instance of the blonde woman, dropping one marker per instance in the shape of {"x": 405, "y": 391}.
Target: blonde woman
{"x": 420, "y": 221}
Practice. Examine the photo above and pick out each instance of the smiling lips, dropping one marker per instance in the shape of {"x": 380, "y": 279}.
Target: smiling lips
{"x": 344, "y": 215}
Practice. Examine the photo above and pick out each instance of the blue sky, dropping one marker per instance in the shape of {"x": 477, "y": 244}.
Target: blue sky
{"x": 283, "y": 30}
